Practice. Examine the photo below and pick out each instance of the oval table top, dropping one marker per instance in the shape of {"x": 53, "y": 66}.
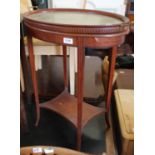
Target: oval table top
{"x": 78, "y": 21}
{"x": 74, "y": 18}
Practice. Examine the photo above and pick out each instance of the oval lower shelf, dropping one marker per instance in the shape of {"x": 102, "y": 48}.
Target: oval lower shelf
{"x": 66, "y": 106}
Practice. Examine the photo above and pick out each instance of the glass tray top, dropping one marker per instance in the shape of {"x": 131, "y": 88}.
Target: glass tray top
{"x": 74, "y": 18}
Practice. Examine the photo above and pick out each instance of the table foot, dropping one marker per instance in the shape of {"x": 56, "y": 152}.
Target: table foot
{"x": 37, "y": 122}
{"x": 107, "y": 120}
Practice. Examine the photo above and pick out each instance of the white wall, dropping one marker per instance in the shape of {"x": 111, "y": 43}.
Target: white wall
{"x": 116, "y": 6}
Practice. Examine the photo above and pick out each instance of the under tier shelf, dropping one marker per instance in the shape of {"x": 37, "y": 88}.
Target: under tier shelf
{"x": 66, "y": 106}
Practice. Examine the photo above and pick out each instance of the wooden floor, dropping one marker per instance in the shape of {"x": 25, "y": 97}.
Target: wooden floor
{"x": 110, "y": 145}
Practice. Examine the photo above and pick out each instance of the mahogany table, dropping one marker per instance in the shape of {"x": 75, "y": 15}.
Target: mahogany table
{"x": 80, "y": 28}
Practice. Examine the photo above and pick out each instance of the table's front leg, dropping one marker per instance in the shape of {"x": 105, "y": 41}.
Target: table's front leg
{"x": 112, "y": 61}
{"x": 80, "y": 79}
{"x": 34, "y": 77}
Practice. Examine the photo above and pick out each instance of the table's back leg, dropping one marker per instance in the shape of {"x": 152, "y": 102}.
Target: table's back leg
{"x": 80, "y": 79}
{"x": 72, "y": 71}
{"x": 65, "y": 66}
{"x": 34, "y": 77}
{"x": 112, "y": 61}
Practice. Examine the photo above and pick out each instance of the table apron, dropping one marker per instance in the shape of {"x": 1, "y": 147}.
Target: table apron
{"x": 91, "y": 41}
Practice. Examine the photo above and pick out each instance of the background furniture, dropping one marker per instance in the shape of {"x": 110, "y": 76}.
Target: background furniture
{"x": 130, "y": 10}
{"x": 125, "y": 79}
{"x": 125, "y": 110}
{"x": 57, "y": 151}
{"x": 105, "y": 71}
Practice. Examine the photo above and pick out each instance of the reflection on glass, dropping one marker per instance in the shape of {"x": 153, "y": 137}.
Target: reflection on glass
{"x": 74, "y": 18}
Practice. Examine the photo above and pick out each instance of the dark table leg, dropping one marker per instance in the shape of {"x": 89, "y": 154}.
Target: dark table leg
{"x": 24, "y": 63}
{"x": 23, "y": 115}
{"x": 112, "y": 60}
{"x": 65, "y": 66}
{"x": 80, "y": 78}
{"x": 34, "y": 77}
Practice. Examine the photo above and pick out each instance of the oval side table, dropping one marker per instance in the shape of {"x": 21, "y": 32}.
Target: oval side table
{"x": 80, "y": 28}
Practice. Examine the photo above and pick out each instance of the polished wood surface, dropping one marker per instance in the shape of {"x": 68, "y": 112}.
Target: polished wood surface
{"x": 57, "y": 151}
{"x": 107, "y": 26}
{"x": 80, "y": 77}
{"x": 65, "y": 105}
{"x": 99, "y": 35}
{"x": 110, "y": 81}
{"x": 34, "y": 77}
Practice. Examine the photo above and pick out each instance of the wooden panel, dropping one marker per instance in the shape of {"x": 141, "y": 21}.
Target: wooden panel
{"x": 66, "y": 105}
{"x": 125, "y": 109}
{"x": 125, "y": 79}
{"x": 127, "y": 147}
{"x": 124, "y": 104}
{"x": 131, "y": 17}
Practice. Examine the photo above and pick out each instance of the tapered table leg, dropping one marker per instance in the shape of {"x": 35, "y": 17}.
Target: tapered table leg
{"x": 112, "y": 61}
{"x": 80, "y": 75}
{"x": 24, "y": 64}
{"x": 34, "y": 77}
{"x": 65, "y": 66}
